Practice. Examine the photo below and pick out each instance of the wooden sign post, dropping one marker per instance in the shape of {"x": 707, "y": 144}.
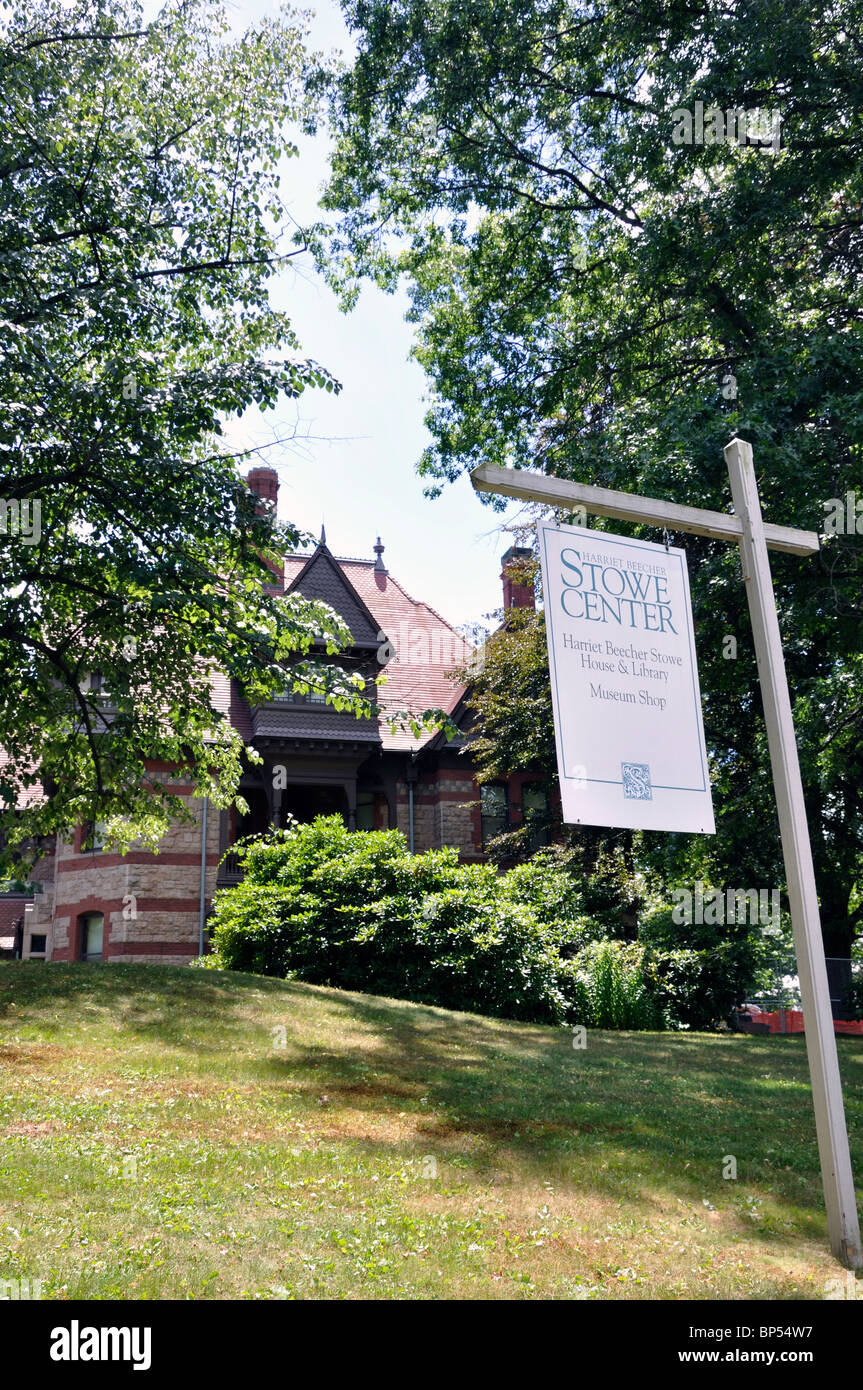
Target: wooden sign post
{"x": 754, "y": 536}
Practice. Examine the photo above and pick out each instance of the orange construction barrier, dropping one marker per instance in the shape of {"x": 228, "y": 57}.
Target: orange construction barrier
{"x": 794, "y": 1022}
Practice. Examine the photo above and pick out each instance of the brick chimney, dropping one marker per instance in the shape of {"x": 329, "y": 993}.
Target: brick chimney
{"x": 516, "y": 594}
{"x": 264, "y": 482}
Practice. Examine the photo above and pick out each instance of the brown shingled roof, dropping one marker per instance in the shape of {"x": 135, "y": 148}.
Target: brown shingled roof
{"x": 427, "y": 646}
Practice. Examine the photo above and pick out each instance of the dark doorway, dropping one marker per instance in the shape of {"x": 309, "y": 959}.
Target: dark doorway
{"x": 305, "y": 803}
{"x": 257, "y": 822}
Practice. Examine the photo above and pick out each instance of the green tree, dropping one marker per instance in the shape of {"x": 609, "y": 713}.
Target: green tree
{"x": 140, "y": 223}
{"x": 594, "y": 299}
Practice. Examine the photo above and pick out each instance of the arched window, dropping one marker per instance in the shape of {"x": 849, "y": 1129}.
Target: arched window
{"x": 92, "y": 934}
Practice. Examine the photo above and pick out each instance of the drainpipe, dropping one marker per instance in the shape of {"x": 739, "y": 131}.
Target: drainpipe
{"x": 50, "y": 942}
{"x": 411, "y": 777}
{"x": 203, "y": 877}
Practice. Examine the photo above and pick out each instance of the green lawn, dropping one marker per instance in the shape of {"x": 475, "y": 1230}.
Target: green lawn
{"x": 387, "y": 1150}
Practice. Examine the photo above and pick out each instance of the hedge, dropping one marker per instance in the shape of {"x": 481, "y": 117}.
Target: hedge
{"x": 357, "y": 911}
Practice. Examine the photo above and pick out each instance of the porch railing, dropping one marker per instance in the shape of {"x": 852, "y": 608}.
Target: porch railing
{"x": 229, "y": 869}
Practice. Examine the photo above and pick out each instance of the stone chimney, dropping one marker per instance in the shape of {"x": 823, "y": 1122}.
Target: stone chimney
{"x": 516, "y": 594}
{"x": 264, "y": 482}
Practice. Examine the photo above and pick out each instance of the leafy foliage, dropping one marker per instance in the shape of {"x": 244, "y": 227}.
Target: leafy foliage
{"x": 583, "y": 287}
{"x": 140, "y": 223}
{"x": 357, "y": 911}
{"x": 513, "y": 731}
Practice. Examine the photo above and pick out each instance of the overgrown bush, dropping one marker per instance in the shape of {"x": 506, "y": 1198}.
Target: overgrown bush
{"x": 357, "y": 911}
{"x": 617, "y": 987}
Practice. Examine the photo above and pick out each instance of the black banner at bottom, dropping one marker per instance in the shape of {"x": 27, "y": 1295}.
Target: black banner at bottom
{"x": 84, "y": 1341}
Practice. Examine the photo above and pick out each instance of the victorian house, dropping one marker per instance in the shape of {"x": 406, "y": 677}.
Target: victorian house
{"x": 86, "y": 902}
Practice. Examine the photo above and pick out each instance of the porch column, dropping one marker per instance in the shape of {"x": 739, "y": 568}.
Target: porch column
{"x": 390, "y": 794}
{"x": 350, "y": 787}
{"x": 274, "y": 796}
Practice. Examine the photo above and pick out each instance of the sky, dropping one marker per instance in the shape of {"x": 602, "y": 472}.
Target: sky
{"x": 355, "y": 467}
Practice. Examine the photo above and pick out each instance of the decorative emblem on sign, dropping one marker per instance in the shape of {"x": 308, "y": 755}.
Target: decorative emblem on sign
{"x": 636, "y": 781}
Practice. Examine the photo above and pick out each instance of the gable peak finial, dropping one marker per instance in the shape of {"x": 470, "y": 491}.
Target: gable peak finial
{"x": 380, "y": 567}
{"x": 323, "y": 539}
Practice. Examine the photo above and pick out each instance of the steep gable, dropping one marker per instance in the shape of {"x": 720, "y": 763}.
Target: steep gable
{"x": 321, "y": 577}
{"x": 423, "y": 647}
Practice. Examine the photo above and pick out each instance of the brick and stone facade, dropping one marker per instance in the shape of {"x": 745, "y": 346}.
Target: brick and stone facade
{"x": 150, "y": 903}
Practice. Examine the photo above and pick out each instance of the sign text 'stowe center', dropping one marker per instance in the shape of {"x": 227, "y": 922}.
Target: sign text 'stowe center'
{"x": 624, "y": 679}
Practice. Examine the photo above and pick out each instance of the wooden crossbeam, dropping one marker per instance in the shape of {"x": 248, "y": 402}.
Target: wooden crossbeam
{"x": 626, "y": 506}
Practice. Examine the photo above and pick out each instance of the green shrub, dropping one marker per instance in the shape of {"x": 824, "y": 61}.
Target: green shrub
{"x": 853, "y": 1000}
{"x": 619, "y": 987}
{"x": 356, "y": 911}
{"x": 697, "y": 988}
{"x": 359, "y": 912}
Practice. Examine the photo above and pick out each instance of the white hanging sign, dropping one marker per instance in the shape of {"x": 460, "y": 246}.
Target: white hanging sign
{"x": 624, "y": 681}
